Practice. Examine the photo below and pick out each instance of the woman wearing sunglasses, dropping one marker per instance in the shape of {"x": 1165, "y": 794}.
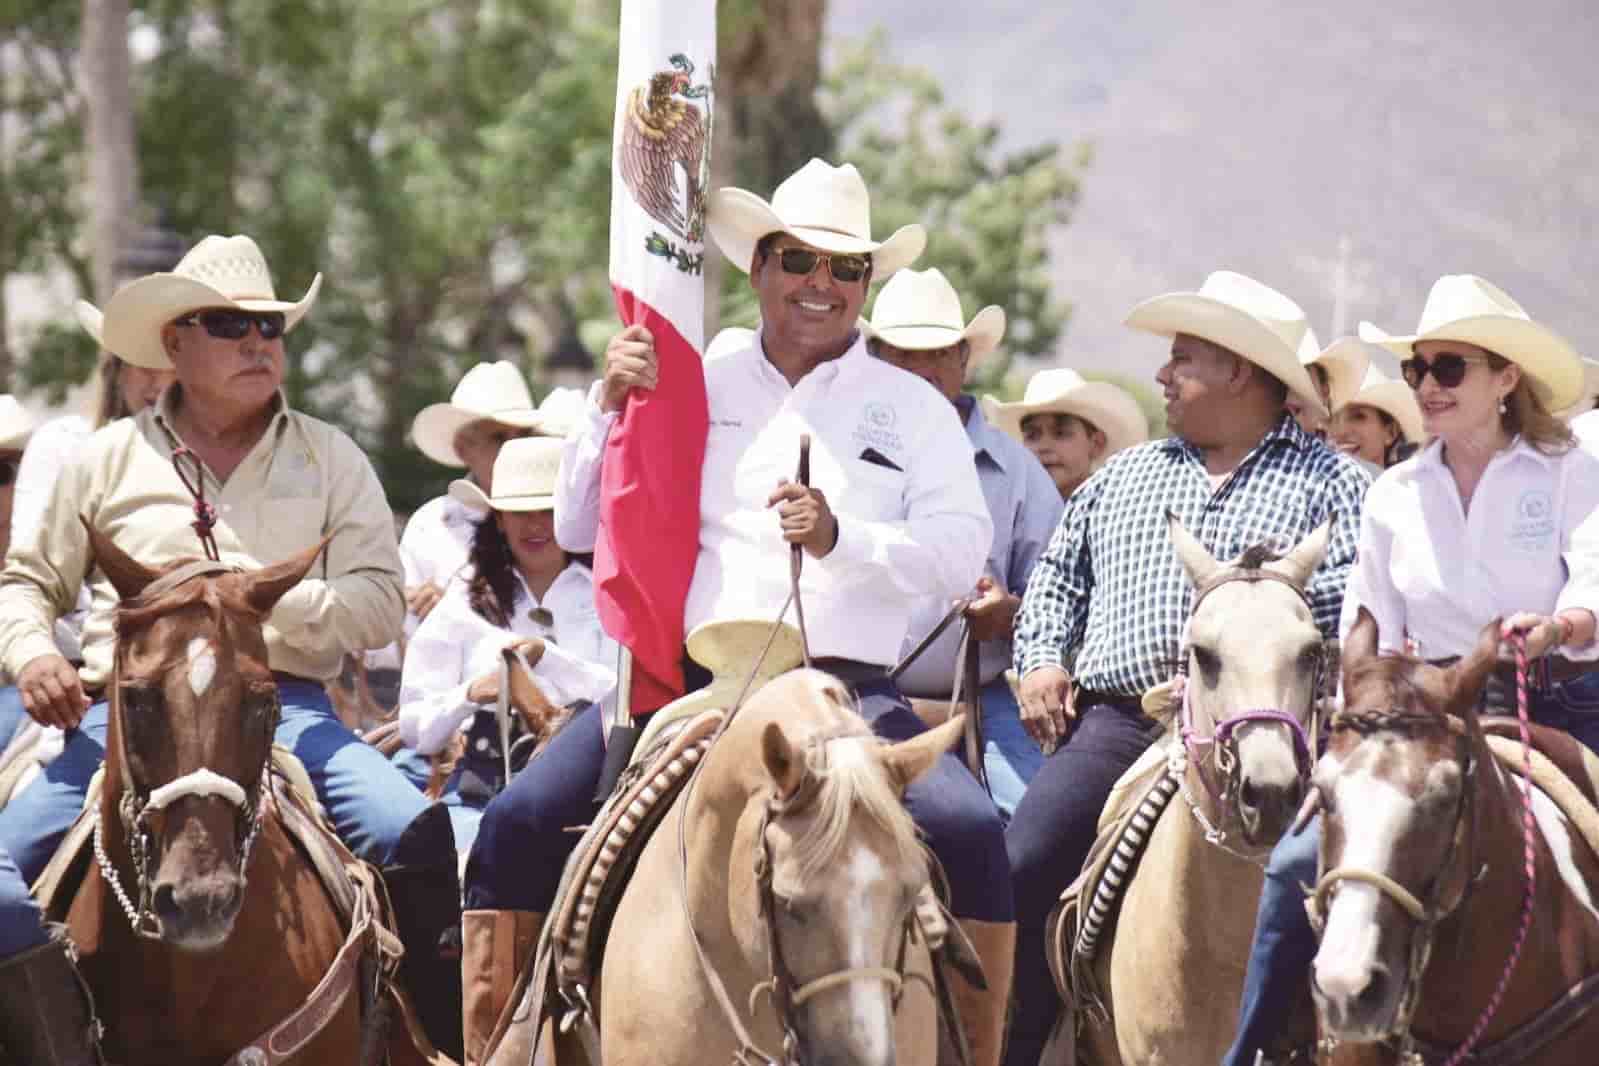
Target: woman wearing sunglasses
{"x": 1493, "y": 519}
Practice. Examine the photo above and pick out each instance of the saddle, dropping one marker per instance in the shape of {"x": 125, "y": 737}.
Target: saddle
{"x": 1562, "y": 767}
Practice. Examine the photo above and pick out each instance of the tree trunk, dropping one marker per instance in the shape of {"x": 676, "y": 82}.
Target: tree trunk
{"x": 113, "y": 167}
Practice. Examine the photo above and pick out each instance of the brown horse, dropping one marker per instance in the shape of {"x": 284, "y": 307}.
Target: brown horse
{"x": 200, "y": 925}
{"x": 1424, "y": 895}
{"x": 799, "y": 789}
{"x": 1170, "y": 977}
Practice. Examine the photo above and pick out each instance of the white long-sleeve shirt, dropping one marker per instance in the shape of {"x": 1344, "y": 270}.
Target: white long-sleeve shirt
{"x": 912, "y": 523}
{"x": 455, "y": 645}
{"x": 1431, "y": 571}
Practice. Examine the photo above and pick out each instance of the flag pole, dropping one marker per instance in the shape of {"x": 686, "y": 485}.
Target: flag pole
{"x": 616, "y": 719}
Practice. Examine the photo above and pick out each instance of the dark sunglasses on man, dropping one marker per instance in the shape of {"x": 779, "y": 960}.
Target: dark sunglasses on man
{"x": 1448, "y": 369}
{"x": 231, "y": 324}
{"x": 845, "y": 268}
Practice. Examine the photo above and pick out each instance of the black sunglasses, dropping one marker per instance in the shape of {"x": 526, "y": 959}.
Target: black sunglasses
{"x": 230, "y": 324}
{"x": 8, "y": 472}
{"x": 1447, "y": 369}
{"x": 845, "y": 268}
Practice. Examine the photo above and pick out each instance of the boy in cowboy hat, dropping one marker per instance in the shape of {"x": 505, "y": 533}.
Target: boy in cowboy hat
{"x": 278, "y": 480}
{"x": 1110, "y": 595}
{"x": 895, "y": 513}
{"x": 1070, "y": 424}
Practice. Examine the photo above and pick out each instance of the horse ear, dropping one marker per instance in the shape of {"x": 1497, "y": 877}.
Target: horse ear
{"x": 782, "y": 761}
{"x": 1469, "y": 675}
{"x": 265, "y": 587}
{"x": 1360, "y": 646}
{"x": 1195, "y": 559}
{"x": 127, "y": 575}
{"x": 1299, "y": 564}
{"x": 910, "y": 759}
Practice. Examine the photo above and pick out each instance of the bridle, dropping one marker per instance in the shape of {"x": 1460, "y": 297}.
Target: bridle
{"x": 1426, "y": 915}
{"x": 1222, "y": 740}
{"x": 139, "y": 806}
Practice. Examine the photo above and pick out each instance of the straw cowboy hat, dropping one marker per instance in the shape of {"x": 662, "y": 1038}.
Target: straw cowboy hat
{"x": 1590, "y": 391}
{"x": 1345, "y": 360}
{"x": 92, "y": 320}
{"x": 217, "y": 272}
{"x": 1466, "y": 308}
{"x": 525, "y": 474}
{"x": 1110, "y": 409}
{"x": 16, "y": 425}
{"x": 919, "y": 310}
{"x": 1394, "y": 398}
{"x": 825, "y": 206}
{"x": 493, "y": 391}
{"x": 1254, "y": 321}
{"x": 561, "y": 412}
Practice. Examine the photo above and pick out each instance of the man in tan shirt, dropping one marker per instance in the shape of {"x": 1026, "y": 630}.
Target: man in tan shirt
{"x": 279, "y": 480}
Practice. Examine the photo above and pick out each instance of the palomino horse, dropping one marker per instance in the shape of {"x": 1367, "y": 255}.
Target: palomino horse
{"x": 200, "y": 925}
{"x": 1172, "y": 974}
{"x": 1427, "y": 841}
{"x": 800, "y": 860}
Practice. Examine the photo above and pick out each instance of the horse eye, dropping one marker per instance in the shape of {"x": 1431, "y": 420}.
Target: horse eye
{"x": 792, "y": 909}
{"x": 1208, "y": 661}
{"x": 141, "y": 697}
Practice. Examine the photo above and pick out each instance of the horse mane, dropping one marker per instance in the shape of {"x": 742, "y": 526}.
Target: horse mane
{"x": 1406, "y": 696}
{"x": 848, "y": 785}
{"x": 1255, "y": 556}
{"x": 138, "y": 613}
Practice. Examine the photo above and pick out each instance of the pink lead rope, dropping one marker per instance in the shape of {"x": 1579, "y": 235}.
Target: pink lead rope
{"x": 1530, "y": 867}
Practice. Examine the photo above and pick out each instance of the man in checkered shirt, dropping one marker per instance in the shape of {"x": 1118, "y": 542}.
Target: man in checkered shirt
{"x": 1110, "y": 596}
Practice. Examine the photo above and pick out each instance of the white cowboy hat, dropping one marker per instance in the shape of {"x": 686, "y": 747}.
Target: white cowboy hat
{"x": 525, "y": 474}
{"x": 1111, "y": 409}
{"x": 16, "y": 425}
{"x": 1590, "y": 391}
{"x": 217, "y": 272}
{"x": 561, "y": 412}
{"x": 1394, "y": 398}
{"x": 825, "y": 206}
{"x": 91, "y": 319}
{"x": 1251, "y": 320}
{"x": 1466, "y": 308}
{"x": 920, "y": 310}
{"x": 1346, "y": 361}
{"x": 730, "y": 340}
{"x": 493, "y": 391}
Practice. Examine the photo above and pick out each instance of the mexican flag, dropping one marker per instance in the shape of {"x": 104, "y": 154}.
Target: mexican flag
{"x": 650, "y": 484}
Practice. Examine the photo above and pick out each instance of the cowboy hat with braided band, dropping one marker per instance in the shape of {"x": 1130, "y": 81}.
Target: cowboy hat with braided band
{"x": 1108, "y": 408}
{"x": 825, "y": 206}
{"x": 1472, "y": 310}
{"x": 919, "y": 310}
{"x": 525, "y": 476}
{"x": 1238, "y": 313}
{"x": 494, "y": 392}
{"x": 217, "y": 272}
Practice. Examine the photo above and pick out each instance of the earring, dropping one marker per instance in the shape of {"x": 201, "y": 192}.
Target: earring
{"x": 1502, "y": 408}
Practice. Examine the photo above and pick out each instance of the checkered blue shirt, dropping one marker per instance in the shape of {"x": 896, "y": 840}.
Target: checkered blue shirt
{"x": 1109, "y": 588}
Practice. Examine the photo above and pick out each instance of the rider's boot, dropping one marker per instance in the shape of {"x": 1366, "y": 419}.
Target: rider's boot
{"x": 425, "y": 887}
{"x": 982, "y": 1011}
{"x": 46, "y": 1012}
{"x": 496, "y": 947}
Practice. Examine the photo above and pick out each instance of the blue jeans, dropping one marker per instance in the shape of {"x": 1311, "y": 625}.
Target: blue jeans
{"x": 416, "y": 767}
{"x": 1010, "y": 756}
{"x": 368, "y": 800}
{"x": 21, "y": 922}
{"x": 1284, "y": 942}
{"x": 12, "y": 714}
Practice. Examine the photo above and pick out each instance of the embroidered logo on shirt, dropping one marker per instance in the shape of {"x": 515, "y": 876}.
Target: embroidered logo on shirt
{"x": 1532, "y": 526}
{"x": 876, "y": 428}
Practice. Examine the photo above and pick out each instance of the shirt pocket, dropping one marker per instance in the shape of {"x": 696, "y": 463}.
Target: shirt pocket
{"x": 875, "y": 493}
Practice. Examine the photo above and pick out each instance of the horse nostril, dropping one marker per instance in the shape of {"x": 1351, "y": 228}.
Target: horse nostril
{"x": 165, "y": 903}
{"x": 1375, "y": 994}
{"x": 1249, "y": 795}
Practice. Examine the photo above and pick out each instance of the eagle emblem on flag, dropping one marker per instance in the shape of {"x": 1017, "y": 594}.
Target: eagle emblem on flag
{"x": 665, "y": 130}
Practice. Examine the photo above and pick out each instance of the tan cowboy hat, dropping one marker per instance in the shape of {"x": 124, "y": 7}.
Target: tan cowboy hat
{"x": 561, "y": 412}
{"x": 525, "y": 475}
{"x": 1254, "y": 321}
{"x": 493, "y": 391}
{"x": 1345, "y": 360}
{"x": 1466, "y": 308}
{"x": 92, "y": 320}
{"x": 825, "y": 206}
{"x": 1590, "y": 391}
{"x": 1394, "y": 398}
{"x": 217, "y": 272}
{"x": 919, "y": 310}
{"x": 16, "y": 425}
{"x": 1111, "y": 409}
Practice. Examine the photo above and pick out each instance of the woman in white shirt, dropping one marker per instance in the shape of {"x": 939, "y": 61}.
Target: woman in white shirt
{"x": 519, "y": 587}
{"x": 1492, "y": 520}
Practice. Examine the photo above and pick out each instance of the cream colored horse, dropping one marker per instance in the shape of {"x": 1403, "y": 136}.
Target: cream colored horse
{"x": 1172, "y": 971}
{"x": 846, "y": 865}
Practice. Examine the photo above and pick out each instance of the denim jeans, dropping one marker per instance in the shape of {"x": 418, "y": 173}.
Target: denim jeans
{"x": 21, "y": 922}
{"x": 369, "y": 801}
{"x": 1284, "y": 942}
{"x": 12, "y": 714}
{"x": 1010, "y": 756}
